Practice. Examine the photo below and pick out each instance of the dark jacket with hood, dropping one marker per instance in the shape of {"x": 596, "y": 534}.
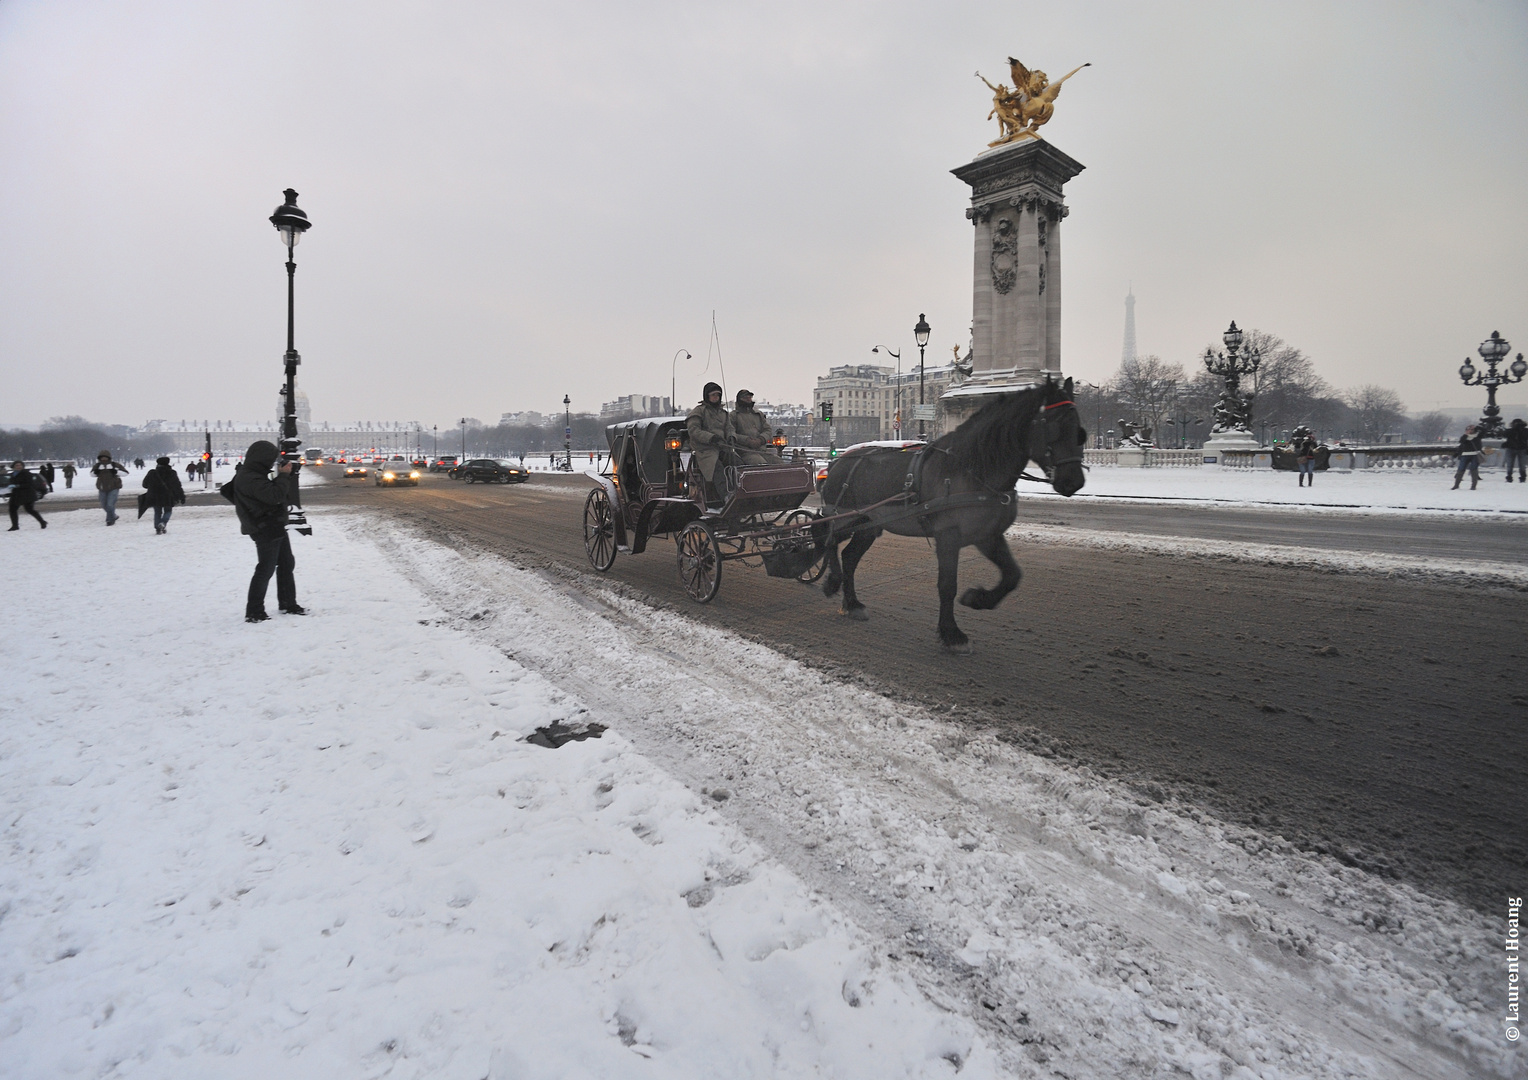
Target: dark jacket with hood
{"x": 161, "y": 485}
{"x": 1517, "y": 436}
{"x": 23, "y": 486}
{"x": 261, "y": 502}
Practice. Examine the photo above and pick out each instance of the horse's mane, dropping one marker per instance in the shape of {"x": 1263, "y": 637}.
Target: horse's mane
{"x": 996, "y": 438}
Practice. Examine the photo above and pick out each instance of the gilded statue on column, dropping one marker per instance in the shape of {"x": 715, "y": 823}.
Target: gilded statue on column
{"x": 1022, "y": 110}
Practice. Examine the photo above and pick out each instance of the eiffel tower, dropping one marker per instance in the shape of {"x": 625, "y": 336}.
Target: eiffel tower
{"x": 1127, "y": 354}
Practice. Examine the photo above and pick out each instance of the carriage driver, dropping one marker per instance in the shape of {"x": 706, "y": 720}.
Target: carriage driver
{"x": 752, "y": 428}
{"x": 711, "y": 433}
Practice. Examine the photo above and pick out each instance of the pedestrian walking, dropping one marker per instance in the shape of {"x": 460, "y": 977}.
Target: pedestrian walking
{"x": 260, "y": 498}
{"x": 45, "y": 470}
{"x": 1516, "y": 447}
{"x": 108, "y": 481}
{"x": 1469, "y": 457}
{"x": 162, "y": 487}
{"x": 69, "y": 470}
{"x": 25, "y": 491}
{"x": 190, "y": 471}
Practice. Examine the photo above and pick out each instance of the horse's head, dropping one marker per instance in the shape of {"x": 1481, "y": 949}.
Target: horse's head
{"x": 1057, "y": 439}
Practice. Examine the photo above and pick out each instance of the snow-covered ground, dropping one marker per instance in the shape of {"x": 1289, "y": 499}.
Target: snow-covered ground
{"x": 320, "y": 846}
{"x": 1368, "y": 489}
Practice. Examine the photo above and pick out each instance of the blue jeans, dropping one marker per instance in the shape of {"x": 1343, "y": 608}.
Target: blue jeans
{"x": 1308, "y": 465}
{"x": 162, "y": 516}
{"x": 1470, "y": 463}
{"x": 1515, "y": 459}
{"x": 109, "y": 503}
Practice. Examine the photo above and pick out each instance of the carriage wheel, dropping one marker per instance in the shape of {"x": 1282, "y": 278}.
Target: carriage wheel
{"x": 700, "y": 561}
{"x": 810, "y": 575}
{"x": 599, "y": 530}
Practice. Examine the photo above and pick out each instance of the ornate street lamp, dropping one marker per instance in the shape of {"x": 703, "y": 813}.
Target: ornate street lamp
{"x": 897, "y": 413}
{"x": 1233, "y": 412}
{"x": 920, "y": 334}
{"x": 1182, "y": 422}
{"x": 1493, "y": 351}
{"x": 567, "y": 430}
{"x": 291, "y": 223}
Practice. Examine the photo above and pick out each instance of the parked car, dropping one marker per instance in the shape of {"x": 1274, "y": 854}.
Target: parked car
{"x": 394, "y": 473}
{"x": 492, "y": 471}
{"x": 444, "y": 463}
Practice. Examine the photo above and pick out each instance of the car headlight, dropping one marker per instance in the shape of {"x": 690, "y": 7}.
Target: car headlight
{"x": 414, "y": 475}
{"x": 388, "y": 476}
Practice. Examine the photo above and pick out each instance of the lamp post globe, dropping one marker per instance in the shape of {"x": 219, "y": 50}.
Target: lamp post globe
{"x": 920, "y": 334}
{"x": 291, "y": 223}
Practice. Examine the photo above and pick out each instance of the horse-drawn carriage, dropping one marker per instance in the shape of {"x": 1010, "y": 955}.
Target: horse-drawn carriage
{"x": 652, "y": 486}
{"x": 957, "y": 490}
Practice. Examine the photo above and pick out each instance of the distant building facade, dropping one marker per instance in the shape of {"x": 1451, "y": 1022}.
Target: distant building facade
{"x": 868, "y": 399}
{"x": 635, "y": 407}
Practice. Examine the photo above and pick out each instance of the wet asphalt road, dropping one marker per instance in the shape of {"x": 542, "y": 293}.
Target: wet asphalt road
{"x": 1398, "y": 747}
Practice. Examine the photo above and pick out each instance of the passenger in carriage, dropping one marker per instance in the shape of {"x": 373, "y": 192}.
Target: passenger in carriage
{"x": 711, "y": 435}
{"x": 753, "y": 435}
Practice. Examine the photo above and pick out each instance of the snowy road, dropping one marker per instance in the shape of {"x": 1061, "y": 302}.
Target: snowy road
{"x": 353, "y": 867}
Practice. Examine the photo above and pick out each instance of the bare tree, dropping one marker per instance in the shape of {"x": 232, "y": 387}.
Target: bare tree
{"x": 1148, "y": 387}
{"x": 1376, "y": 411}
{"x": 1286, "y": 385}
{"x": 1430, "y": 427}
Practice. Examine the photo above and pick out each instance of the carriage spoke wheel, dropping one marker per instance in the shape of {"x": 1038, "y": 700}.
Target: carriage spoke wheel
{"x": 817, "y": 569}
{"x": 700, "y": 561}
{"x": 599, "y": 530}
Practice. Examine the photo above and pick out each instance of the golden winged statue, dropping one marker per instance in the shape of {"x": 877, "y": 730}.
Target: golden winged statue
{"x": 1028, "y": 105}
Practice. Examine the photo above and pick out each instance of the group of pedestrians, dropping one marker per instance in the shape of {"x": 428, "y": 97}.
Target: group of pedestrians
{"x": 1514, "y": 449}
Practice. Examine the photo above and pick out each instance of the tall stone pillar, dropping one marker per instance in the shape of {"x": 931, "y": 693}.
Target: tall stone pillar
{"x": 1017, "y": 210}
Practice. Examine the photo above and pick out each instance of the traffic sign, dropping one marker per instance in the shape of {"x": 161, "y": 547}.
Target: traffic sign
{"x": 567, "y": 433}
{"x": 925, "y": 412}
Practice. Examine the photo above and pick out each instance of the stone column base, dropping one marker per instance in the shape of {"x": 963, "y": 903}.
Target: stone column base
{"x": 960, "y": 403}
{"x": 1222, "y": 441}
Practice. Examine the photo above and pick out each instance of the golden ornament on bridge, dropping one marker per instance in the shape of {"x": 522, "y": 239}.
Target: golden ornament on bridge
{"x": 1029, "y": 104}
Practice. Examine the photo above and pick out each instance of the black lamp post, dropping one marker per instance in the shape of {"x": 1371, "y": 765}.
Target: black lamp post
{"x": 463, "y": 422}
{"x": 897, "y": 413}
{"x": 291, "y": 223}
{"x": 1233, "y": 412}
{"x": 1182, "y": 421}
{"x": 567, "y": 430}
{"x": 435, "y": 441}
{"x": 673, "y": 389}
{"x": 1493, "y": 350}
{"x": 920, "y": 334}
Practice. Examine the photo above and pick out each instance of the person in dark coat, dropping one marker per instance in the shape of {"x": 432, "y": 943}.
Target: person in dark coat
{"x": 45, "y": 470}
{"x": 108, "y": 483}
{"x": 1516, "y": 448}
{"x": 1305, "y": 456}
{"x": 1469, "y": 457}
{"x": 162, "y": 486}
{"x": 190, "y": 471}
{"x": 69, "y": 470}
{"x": 23, "y": 495}
{"x": 260, "y": 498}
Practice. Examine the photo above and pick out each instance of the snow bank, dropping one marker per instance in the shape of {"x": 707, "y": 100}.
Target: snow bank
{"x": 320, "y": 847}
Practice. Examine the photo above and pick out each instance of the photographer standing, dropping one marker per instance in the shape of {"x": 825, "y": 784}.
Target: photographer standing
{"x": 260, "y": 498}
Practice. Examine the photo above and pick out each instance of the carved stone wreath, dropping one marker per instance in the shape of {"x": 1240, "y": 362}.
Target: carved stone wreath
{"x": 1005, "y": 255}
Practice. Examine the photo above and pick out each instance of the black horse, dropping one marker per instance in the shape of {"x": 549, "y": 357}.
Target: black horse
{"x": 959, "y": 490}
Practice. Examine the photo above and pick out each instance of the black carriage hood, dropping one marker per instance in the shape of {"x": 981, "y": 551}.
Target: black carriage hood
{"x": 649, "y": 435}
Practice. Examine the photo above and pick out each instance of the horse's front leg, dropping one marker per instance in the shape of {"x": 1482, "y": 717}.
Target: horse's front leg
{"x": 835, "y": 579}
{"x": 996, "y": 548}
{"x": 853, "y": 552}
{"x": 947, "y": 547}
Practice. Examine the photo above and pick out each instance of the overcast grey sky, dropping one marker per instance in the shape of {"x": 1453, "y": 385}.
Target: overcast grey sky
{"x": 516, "y": 201}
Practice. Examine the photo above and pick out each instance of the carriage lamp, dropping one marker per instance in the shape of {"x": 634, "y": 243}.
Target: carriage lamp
{"x": 1493, "y": 351}
{"x": 779, "y": 439}
{"x": 674, "y": 442}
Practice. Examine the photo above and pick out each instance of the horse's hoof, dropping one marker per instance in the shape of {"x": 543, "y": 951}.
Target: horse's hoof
{"x": 979, "y": 599}
{"x": 858, "y": 614}
{"x": 955, "y": 640}
{"x": 962, "y": 649}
